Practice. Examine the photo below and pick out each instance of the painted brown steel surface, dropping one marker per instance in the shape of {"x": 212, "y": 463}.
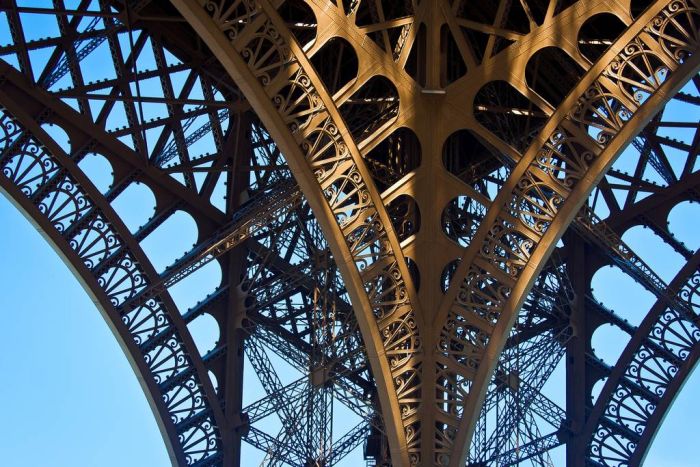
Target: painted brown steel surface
{"x": 370, "y": 151}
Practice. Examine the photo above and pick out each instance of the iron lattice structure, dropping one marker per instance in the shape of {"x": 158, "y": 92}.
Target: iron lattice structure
{"x": 407, "y": 200}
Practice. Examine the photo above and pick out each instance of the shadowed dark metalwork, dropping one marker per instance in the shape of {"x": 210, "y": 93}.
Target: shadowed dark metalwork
{"x": 407, "y": 200}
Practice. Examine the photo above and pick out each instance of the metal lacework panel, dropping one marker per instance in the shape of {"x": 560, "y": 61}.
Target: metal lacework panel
{"x": 61, "y": 200}
{"x": 599, "y": 115}
{"x": 670, "y": 338}
{"x": 263, "y": 45}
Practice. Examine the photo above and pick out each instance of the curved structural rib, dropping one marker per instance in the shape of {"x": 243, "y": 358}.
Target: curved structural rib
{"x": 660, "y": 356}
{"x": 544, "y": 192}
{"x": 256, "y": 48}
{"x": 47, "y": 185}
{"x": 548, "y": 184}
{"x": 433, "y": 356}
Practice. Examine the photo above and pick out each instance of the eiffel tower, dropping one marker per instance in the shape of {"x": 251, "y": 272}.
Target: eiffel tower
{"x": 406, "y": 202}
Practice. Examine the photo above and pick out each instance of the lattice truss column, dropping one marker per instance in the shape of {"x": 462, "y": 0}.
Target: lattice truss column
{"x": 382, "y": 185}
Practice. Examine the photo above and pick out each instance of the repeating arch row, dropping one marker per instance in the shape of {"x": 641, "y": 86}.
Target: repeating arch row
{"x": 48, "y": 184}
{"x": 660, "y": 355}
{"x": 254, "y": 45}
{"x": 305, "y": 121}
{"x": 542, "y": 194}
{"x": 537, "y": 188}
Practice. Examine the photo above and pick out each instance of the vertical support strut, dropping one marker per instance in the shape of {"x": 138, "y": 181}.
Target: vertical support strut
{"x": 417, "y": 366}
{"x": 240, "y": 144}
{"x": 576, "y": 397}
{"x": 235, "y": 338}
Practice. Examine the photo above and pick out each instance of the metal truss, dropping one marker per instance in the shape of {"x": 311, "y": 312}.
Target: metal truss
{"x": 407, "y": 201}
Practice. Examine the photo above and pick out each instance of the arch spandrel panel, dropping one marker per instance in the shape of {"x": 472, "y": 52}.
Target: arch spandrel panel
{"x": 548, "y": 185}
{"x": 79, "y": 222}
{"x": 289, "y": 97}
{"x": 535, "y": 196}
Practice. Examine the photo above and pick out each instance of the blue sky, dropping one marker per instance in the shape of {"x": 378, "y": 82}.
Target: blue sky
{"x": 71, "y": 397}
{"x": 70, "y": 390}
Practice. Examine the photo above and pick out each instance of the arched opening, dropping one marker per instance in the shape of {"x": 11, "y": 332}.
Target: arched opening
{"x": 562, "y": 74}
{"x": 205, "y": 332}
{"x": 509, "y": 115}
{"x": 598, "y": 33}
{"x": 59, "y": 135}
{"x": 98, "y": 169}
{"x": 405, "y": 216}
{"x": 135, "y": 205}
{"x": 684, "y": 223}
{"x": 656, "y": 253}
{"x": 468, "y": 158}
{"x": 597, "y": 388}
{"x": 371, "y": 107}
{"x": 214, "y": 380}
{"x": 621, "y": 294}
{"x": 608, "y": 342}
{"x": 336, "y": 64}
{"x": 171, "y": 240}
{"x": 194, "y": 288}
{"x": 393, "y": 158}
{"x": 461, "y": 218}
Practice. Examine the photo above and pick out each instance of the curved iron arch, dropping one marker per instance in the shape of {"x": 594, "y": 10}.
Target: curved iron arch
{"x": 327, "y": 165}
{"x": 661, "y": 354}
{"x": 540, "y": 217}
{"x": 400, "y": 264}
{"x": 610, "y": 143}
{"x": 54, "y": 193}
